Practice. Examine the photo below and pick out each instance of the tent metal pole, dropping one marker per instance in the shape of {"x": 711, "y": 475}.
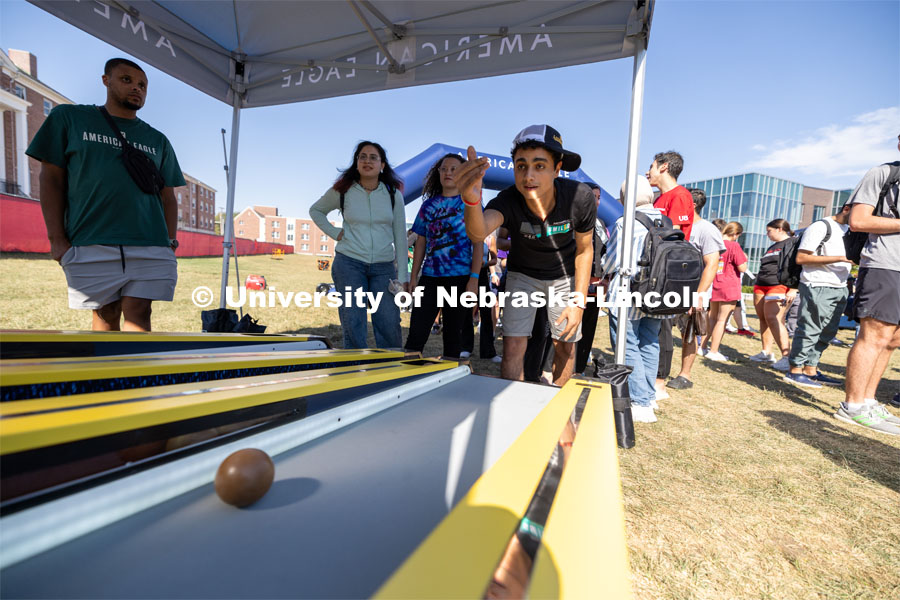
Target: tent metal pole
{"x": 634, "y": 137}
{"x": 228, "y": 230}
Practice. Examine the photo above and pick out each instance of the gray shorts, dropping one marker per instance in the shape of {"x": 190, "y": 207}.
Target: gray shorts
{"x": 100, "y": 275}
{"x": 878, "y": 295}
{"x": 518, "y": 321}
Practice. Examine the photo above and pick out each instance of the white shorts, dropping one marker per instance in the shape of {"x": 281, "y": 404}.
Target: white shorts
{"x": 100, "y": 275}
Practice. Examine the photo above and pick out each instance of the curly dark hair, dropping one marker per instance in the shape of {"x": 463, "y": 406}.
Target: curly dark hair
{"x": 433, "y": 185}
{"x": 350, "y": 175}
{"x": 673, "y": 159}
{"x": 531, "y": 145}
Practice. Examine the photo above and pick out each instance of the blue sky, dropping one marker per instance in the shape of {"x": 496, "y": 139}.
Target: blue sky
{"x": 808, "y": 91}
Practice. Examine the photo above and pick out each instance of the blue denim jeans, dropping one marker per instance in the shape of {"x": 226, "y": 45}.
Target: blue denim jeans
{"x": 349, "y": 275}
{"x": 642, "y": 354}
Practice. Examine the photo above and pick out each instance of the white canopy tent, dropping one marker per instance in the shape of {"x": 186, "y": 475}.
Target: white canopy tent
{"x": 250, "y": 53}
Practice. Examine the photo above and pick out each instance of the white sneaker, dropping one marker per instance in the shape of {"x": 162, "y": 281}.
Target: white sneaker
{"x": 782, "y": 364}
{"x": 497, "y": 359}
{"x": 731, "y": 329}
{"x": 662, "y": 394}
{"x": 642, "y": 414}
{"x": 465, "y": 354}
{"x": 703, "y": 351}
{"x": 763, "y": 357}
{"x": 654, "y": 405}
{"x": 716, "y": 356}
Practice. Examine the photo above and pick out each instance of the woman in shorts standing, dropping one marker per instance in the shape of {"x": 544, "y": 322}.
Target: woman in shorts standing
{"x": 771, "y": 299}
{"x": 726, "y": 291}
{"x": 370, "y": 243}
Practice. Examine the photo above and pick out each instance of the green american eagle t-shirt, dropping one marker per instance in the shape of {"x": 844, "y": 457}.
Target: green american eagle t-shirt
{"x": 104, "y": 204}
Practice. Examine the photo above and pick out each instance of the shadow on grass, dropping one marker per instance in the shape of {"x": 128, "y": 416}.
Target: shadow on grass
{"x": 865, "y": 456}
{"x": 769, "y": 380}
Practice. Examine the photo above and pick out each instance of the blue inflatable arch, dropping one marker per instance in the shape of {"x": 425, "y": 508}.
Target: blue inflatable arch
{"x": 499, "y": 176}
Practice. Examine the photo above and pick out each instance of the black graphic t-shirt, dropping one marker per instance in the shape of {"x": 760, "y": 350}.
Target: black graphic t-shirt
{"x": 545, "y": 249}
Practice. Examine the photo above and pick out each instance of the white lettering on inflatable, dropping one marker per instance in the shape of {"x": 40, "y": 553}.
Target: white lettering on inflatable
{"x": 332, "y": 71}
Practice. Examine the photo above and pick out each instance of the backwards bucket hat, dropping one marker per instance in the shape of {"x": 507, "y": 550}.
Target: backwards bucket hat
{"x": 552, "y": 139}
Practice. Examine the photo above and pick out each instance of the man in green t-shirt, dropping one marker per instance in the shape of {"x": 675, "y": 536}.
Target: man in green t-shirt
{"x": 115, "y": 243}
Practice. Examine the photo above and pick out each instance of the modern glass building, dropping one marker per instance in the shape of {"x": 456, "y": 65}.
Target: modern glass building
{"x": 839, "y": 198}
{"x": 752, "y": 199}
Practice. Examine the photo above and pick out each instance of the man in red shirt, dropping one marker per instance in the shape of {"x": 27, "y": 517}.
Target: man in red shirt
{"x": 674, "y": 201}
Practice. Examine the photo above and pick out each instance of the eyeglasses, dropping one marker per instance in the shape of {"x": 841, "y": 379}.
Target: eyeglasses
{"x": 369, "y": 158}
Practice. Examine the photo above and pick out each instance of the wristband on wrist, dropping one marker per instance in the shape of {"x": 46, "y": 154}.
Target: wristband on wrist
{"x": 471, "y": 203}
{"x": 474, "y": 275}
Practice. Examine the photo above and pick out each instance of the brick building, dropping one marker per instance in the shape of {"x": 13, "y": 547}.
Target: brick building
{"x": 264, "y": 224}
{"x": 196, "y": 206}
{"x": 25, "y": 102}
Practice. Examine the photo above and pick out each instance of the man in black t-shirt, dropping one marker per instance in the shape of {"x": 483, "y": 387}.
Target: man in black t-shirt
{"x": 551, "y": 226}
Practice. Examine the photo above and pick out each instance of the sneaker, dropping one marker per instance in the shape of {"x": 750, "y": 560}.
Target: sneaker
{"x": 497, "y": 359}
{"x": 716, "y": 356}
{"x": 465, "y": 354}
{"x": 782, "y": 364}
{"x": 763, "y": 357}
{"x": 866, "y": 417}
{"x": 662, "y": 394}
{"x": 746, "y": 333}
{"x": 680, "y": 383}
{"x": 802, "y": 379}
{"x": 825, "y": 379}
{"x": 879, "y": 409}
{"x": 895, "y": 401}
{"x": 642, "y": 414}
{"x": 703, "y": 351}
{"x": 654, "y": 404}
{"x": 731, "y": 329}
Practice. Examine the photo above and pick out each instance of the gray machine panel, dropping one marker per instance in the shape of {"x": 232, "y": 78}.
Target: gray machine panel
{"x": 344, "y": 512}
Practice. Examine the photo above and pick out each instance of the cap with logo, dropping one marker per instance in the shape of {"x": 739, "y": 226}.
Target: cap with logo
{"x": 552, "y": 139}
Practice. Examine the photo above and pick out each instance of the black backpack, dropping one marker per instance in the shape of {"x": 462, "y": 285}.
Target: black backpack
{"x": 667, "y": 263}
{"x": 855, "y": 241}
{"x": 788, "y": 269}
{"x": 390, "y": 190}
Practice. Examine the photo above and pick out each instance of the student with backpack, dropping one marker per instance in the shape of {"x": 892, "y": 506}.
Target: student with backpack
{"x": 771, "y": 298}
{"x": 370, "y": 243}
{"x": 707, "y": 238}
{"x": 641, "y": 330}
{"x": 875, "y": 211}
{"x": 823, "y": 294}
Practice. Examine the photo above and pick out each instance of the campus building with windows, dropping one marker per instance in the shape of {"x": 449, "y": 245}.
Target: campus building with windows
{"x": 752, "y": 199}
{"x": 264, "y": 224}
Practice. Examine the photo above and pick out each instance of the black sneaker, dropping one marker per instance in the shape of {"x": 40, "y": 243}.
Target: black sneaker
{"x": 680, "y": 383}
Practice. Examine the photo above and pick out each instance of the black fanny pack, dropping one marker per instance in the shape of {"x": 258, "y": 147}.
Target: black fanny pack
{"x": 141, "y": 168}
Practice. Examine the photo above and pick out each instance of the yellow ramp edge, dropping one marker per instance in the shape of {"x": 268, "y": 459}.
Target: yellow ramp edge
{"x": 583, "y": 552}
{"x": 54, "y": 335}
{"x": 124, "y": 410}
{"x": 458, "y": 558}
{"x": 26, "y": 371}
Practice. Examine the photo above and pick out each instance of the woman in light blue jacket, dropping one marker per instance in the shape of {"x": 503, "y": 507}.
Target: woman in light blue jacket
{"x": 370, "y": 243}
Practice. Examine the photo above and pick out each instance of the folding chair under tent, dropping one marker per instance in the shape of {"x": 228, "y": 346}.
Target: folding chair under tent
{"x": 261, "y": 53}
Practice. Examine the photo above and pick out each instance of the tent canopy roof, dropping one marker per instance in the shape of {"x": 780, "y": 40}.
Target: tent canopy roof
{"x": 275, "y": 52}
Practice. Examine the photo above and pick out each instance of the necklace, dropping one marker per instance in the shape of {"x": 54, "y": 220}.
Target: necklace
{"x": 368, "y": 189}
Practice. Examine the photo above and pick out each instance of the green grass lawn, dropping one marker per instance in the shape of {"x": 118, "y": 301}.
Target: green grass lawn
{"x": 747, "y": 487}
